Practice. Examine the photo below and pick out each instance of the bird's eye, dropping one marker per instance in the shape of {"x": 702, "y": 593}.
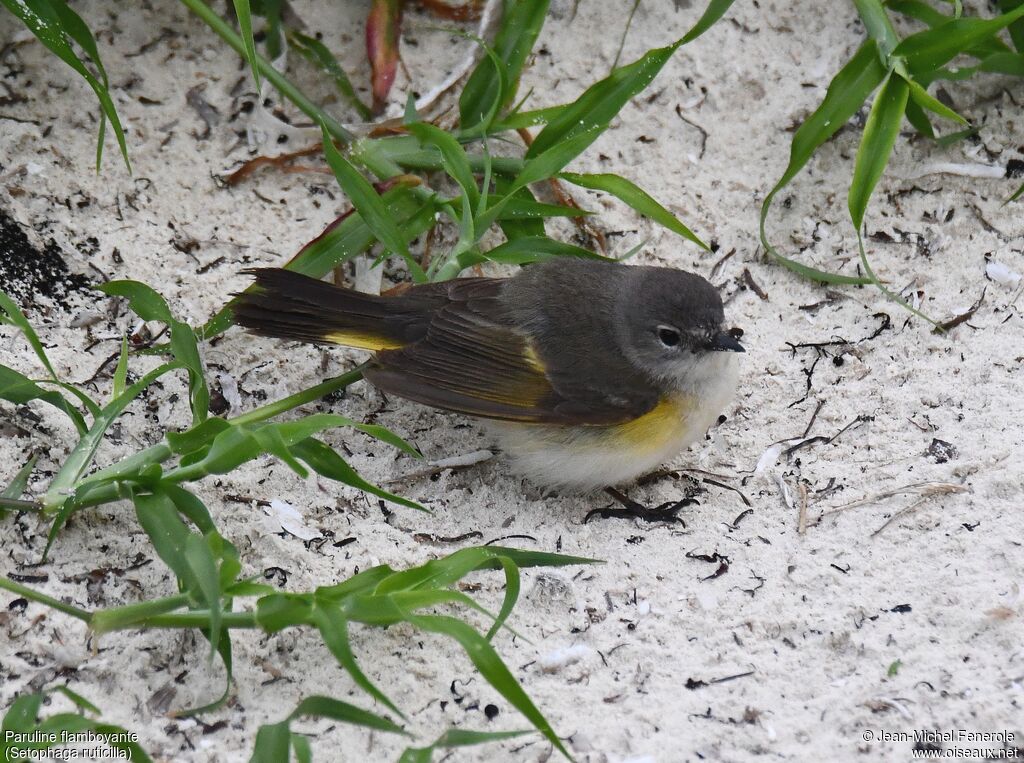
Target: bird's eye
{"x": 668, "y": 336}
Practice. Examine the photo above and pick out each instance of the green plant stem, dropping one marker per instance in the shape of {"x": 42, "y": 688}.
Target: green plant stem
{"x": 300, "y": 398}
{"x": 878, "y": 26}
{"x": 278, "y": 80}
{"x": 155, "y": 454}
{"x": 19, "y": 505}
{"x": 197, "y": 619}
{"x": 131, "y": 615}
{"x": 101, "y": 487}
{"x": 41, "y": 598}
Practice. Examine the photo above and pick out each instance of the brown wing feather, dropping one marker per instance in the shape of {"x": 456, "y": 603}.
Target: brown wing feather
{"x": 473, "y": 361}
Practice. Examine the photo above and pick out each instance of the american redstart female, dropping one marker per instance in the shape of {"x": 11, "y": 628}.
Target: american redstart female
{"x": 595, "y": 372}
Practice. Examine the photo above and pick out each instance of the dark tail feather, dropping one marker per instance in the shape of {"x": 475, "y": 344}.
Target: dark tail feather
{"x": 293, "y": 306}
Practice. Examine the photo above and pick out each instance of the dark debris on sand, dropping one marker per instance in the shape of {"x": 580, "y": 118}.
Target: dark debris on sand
{"x": 28, "y": 273}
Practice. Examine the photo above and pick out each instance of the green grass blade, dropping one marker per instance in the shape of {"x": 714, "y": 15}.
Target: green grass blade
{"x": 492, "y": 85}
{"x": 333, "y": 627}
{"x": 526, "y": 558}
{"x": 150, "y": 306}
{"x": 880, "y": 133}
{"x": 244, "y": 14}
{"x": 635, "y": 197}
{"x": 273, "y": 741}
{"x": 594, "y": 110}
{"x": 844, "y": 97}
{"x": 325, "y": 461}
{"x": 534, "y": 249}
{"x": 121, "y": 372}
{"x": 11, "y": 314}
{"x": 1017, "y": 27}
{"x": 518, "y": 208}
{"x": 541, "y": 166}
{"x": 270, "y": 441}
{"x": 79, "y": 701}
{"x": 319, "y": 56}
{"x": 456, "y": 738}
{"x": 715, "y": 10}
{"x": 16, "y": 487}
{"x": 159, "y": 518}
{"x": 302, "y": 749}
{"x": 919, "y": 119}
{"x": 19, "y": 389}
{"x": 206, "y": 579}
{"x": 370, "y": 205}
{"x": 512, "y": 586}
{"x": 491, "y": 667}
{"x": 925, "y": 100}
{"x": 224, "y": 651}
{"x": 520, "y": 119}
{"x": 336, "y": 710}
{"x": 55, "y": 25}
{"x": 878, "y": 26}
{"x": 82, "y": 454}
{"x": 453, "y": 156}
{"x": 190, "y": 507}
{"x": 928, "y": 50}
{"x": 22, "y": 714}
{"x": 298, "y": 430}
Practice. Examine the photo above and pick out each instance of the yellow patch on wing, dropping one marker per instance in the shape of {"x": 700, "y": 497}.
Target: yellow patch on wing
{"x": 656, "y": 428}
{"x": 532, "y": 358}
{"x": 361, "y": 341}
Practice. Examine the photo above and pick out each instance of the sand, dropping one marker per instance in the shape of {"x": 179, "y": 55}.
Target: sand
{"x": 770, "y": 626}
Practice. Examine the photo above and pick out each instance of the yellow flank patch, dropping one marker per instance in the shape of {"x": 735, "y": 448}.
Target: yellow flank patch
{"x": 656, "y": 428}
{"x": 361, "y": 341}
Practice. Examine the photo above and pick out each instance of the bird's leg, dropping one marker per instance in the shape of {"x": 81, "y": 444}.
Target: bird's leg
{"x": 665, "y": 512}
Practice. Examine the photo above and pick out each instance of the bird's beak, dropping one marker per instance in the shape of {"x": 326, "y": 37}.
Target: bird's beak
{"x": 726, "y": 342}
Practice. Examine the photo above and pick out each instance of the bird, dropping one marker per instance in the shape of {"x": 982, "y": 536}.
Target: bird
{"x": 590, "y": 372}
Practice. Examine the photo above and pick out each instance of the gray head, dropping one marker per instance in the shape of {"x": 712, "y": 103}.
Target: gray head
{"x": 673, "y": 319}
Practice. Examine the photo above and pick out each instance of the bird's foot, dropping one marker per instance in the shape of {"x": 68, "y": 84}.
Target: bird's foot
{"x": 665, "y": 512}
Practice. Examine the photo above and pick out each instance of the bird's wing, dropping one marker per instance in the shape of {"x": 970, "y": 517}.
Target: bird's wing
{"x": 473, "y": 361}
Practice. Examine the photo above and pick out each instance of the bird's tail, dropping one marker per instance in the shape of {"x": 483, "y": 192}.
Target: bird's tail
{"x": 293, "y": 306}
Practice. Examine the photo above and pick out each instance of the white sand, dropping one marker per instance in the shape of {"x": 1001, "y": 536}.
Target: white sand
{"x": 627, "y": 658}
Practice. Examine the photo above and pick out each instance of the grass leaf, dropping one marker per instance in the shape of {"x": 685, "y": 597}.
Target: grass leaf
{"x": 317, "y": 54}
{"x": 528, "y": 249}
{"x": 491, "y": 667}
{"x": 844, "y": 97}
{"x": 880, "y": 132}
{"x": 55, "y": 25}
{"x": 244, "y": 14}
{"x": 16, "y": 487}
{"x": 325, "y": 461}
{"x": 594, "y": 110}
{"x": 336, "y": 710}
{"x": 928, "y": 50}
{"x": 333, "y": 628}
{"x": 490, "y": 88}
{"x": 635, "y": 197}
{"x": 145, "y": 302}
{"x": 11, "y": 314}
{"x": 456, "y": 738}
{"x": 19, "y": 389}
{"x": 370, "y": 205}
{"x": 81, "y": 456}
{"x": 715, "y": 10}
{"x": 925, "y": 100}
